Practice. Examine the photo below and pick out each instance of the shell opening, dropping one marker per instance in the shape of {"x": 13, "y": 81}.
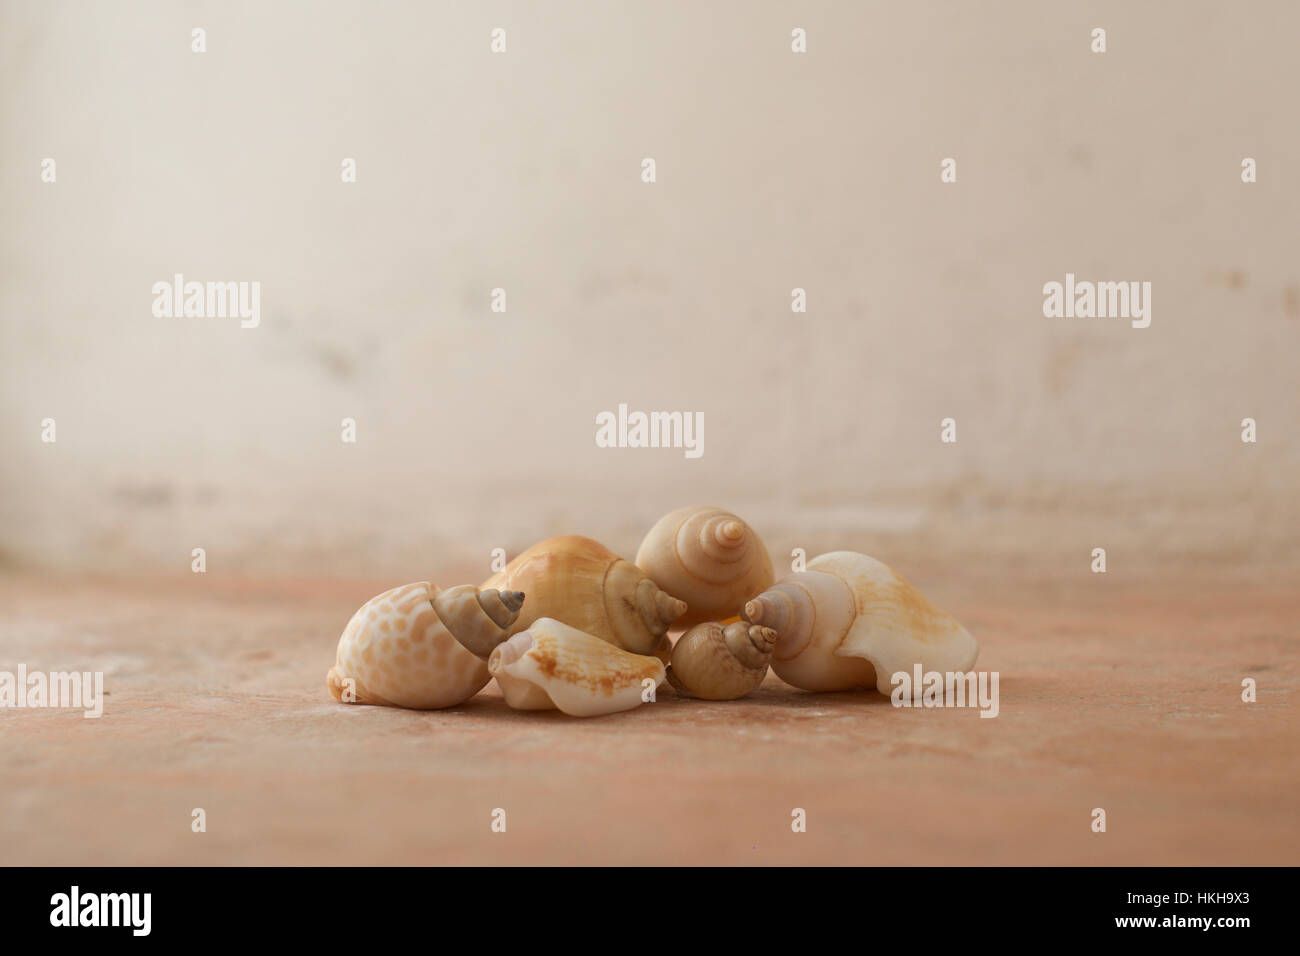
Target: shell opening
{"x": 505, "y": 654}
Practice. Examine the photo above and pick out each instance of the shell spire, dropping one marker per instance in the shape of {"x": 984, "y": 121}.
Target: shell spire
{"x": 658, "y": 610}
{"x": 480, "y": 618}
{"x": 751, "y": 644}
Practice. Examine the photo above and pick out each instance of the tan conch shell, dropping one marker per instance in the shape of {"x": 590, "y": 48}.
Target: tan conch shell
{"x": 554, "y": 666}
{"x": 707, "y": 557}
{"x": 584, "y": 584}
{"x": 420, "y": 647}
{"x": 721, "y": 662}
{"x": 850, "y": 621}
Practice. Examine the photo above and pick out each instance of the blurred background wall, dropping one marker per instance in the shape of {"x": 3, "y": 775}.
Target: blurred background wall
{"x": 522, "y": 171}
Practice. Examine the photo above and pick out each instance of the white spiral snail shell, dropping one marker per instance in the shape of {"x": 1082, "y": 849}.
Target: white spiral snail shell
{"x": 850, "y": 621}
{"x": 709, "y": 558}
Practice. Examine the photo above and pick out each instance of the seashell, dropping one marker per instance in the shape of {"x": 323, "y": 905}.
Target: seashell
{"x": 554, "y": 666}
{"x": 850, "y": 621}
{"x": 709, "y": 558}
{"x": 721, "y": 662}
{"x": 421, "y": 647}
{"x": 584, "y": 584}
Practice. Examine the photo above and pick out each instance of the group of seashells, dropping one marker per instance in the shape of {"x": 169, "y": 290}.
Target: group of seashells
{"x": 570, "y": 625}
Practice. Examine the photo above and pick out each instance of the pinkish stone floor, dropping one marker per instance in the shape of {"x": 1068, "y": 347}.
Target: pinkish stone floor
{"x": 1116, "y": 692}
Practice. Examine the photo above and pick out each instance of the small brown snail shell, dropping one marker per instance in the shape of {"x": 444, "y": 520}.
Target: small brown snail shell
{"x": 709, "y": 558}
{"x": 582, "y": 583}
{"x": 421, "y": 647}
{"x": 713, "y": 661}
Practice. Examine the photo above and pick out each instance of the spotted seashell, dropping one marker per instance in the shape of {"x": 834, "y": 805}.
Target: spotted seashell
{"x": 409, "y": 647}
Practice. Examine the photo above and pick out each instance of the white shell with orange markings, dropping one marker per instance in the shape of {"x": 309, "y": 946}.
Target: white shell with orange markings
{"x": 554, "y": 666}
{"x": 850, "y": 621}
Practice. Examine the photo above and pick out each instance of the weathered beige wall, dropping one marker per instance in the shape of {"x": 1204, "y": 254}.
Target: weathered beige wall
{"x": 522, "y": 171}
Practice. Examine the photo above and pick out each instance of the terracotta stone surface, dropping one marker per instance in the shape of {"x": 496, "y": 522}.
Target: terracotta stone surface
{"x": 1117, "y": 691}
